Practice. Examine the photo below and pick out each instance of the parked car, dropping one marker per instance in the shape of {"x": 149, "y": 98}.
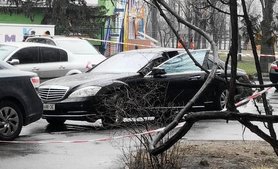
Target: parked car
{"x": 81, "y": 48}
{"x": 273, "y": 73}
{"x": 46, "y": 60}
{"x": 79, "y": 97}
{"x": 19, "y": 102}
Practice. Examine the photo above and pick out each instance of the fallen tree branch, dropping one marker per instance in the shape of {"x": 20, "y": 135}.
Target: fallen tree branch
{"x": 243, "y": 118}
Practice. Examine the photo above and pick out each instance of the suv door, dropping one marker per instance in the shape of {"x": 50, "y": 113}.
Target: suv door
{"x": 53, "y": 62}
{"x": 28, "y": 59}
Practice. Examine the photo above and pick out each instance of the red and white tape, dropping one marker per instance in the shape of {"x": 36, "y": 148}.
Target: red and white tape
{"x": 90, "y": 141}
{"x": 122, "y": 43}
{"x": 253, "y": 96}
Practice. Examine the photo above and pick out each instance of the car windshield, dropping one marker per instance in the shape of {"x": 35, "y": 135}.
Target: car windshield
{"x": 77, "y": 46}
{"x": 5, "y": 50}
{"x": 130, "y": 62}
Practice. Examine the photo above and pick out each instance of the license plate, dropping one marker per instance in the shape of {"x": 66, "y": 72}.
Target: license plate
{"x": 49, "y": 107}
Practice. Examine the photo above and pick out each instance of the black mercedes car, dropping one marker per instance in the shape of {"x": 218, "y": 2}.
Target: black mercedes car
{"x": 174, "y": 75}
{"x": 19, "y": 103}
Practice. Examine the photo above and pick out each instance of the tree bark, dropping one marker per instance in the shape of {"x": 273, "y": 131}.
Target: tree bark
{"x": 267, "y": 46}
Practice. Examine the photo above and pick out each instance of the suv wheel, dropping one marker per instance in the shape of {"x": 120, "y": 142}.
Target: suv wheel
{"x": 10, "y": 120}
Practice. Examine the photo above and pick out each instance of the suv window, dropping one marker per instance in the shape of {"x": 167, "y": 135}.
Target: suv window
{"x": 52, "y": 55}
{"x": 27, "y": 55}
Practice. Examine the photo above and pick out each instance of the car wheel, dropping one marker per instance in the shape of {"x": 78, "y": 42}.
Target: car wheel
{"x": 112, "y": 121}
{"x": 219, "y": 103}
{"x": 114, "y": 113}
{"x": 10, "y": 120}
{"x": 55, "y": 121}
{"x": 221, "y": 100}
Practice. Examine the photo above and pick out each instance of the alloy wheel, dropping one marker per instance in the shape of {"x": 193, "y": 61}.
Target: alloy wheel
{"x": 9, "y": 121}
{"x": 223, "y": 98}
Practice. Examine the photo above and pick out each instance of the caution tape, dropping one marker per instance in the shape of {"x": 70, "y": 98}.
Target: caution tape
{"x": 123, "y": 43}
{"x": 89, "y": 141}
{"x": 253, "y": 96}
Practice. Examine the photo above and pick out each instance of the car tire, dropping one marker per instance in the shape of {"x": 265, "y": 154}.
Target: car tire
{"x": 221, "y": 100}
{"x": 112, "y": 116}
{"x": 112, "y": 121}
{"x": 55, "y": 121}
{"x": 11, "y": 120}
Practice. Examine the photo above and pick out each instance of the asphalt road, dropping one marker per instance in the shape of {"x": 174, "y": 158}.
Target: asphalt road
{"x": 106, "y": 154}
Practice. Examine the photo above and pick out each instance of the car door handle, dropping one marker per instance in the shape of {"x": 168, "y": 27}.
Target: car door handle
{"x": 197, "y": 77}
{"x": 62, "y": 67}
{"x": 35, "y": 69}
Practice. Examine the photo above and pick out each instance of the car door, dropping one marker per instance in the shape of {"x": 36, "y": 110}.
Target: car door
{"x": 182, "y": 78}
{"x": 28, "y": 59}
{"x": 53, "y": 62}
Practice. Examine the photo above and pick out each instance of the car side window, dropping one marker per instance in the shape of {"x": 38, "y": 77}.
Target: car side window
{"x": 63, "y": 55}
{"x": 49, "y": 55}
{"x": 53, "y": 55}
{"x": 179, "y": 64}
{"x": 27, "y": 55}
{"x": 183, "y": 63}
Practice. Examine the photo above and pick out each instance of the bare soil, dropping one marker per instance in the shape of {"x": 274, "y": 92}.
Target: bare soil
{"x": 228, "y": 155}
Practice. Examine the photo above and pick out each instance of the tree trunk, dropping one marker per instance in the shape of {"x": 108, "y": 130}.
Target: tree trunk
{"x": 154, "y": 23}
{"x": 267, "y": 36}
{"x": 268, "y": 40}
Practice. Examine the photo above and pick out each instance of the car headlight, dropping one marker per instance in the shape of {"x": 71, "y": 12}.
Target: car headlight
{"x": 85, "y": 92}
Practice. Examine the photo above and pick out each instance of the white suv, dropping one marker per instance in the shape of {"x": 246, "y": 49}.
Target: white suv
{"x": 47, "y": 61}
{"x": 80, "y": 48}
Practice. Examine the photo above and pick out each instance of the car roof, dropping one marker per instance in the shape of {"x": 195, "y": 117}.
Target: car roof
{"x": 28, "y": 44}
{"x": 56, "y": 37}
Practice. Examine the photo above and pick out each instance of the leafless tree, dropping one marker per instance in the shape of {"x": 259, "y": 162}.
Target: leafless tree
{"x": 232, "y": 113}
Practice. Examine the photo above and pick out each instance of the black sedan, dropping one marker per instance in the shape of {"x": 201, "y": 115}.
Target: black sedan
{"x": 175, "y": 78}
{"x": 19, "y": 102}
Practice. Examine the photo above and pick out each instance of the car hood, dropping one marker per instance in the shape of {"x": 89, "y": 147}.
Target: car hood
{"x": 4, "y": 73}
{"x": 88, "y": 79}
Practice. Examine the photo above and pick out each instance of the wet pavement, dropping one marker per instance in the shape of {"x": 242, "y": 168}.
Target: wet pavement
{"x": 103, "y": 154}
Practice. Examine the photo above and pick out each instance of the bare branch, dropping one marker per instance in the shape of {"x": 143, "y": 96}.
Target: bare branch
{"x": 206, "y": 83}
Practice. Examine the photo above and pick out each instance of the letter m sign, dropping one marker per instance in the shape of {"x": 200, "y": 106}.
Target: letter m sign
{"x": 10, "y": 38}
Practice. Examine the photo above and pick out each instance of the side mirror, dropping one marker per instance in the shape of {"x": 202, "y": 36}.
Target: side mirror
{"x": 14, "y": 62}
{"x": 158, "y": 72}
